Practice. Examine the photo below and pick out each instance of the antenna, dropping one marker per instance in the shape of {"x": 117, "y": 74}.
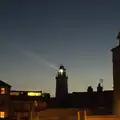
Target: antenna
{"x": 118, "y": 37}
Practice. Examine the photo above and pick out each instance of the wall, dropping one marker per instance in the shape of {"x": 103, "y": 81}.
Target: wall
{"x": 103, "y": 117}
{"x": 55, "y": 114}
{"x": 116, "y": 79}
{"x": 51, "y": 114}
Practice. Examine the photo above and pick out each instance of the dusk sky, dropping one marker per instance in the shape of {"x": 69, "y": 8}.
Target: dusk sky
{"x": 76, "y": 33}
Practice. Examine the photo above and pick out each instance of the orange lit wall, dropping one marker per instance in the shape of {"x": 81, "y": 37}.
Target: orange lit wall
{"x": 103, "y": 117}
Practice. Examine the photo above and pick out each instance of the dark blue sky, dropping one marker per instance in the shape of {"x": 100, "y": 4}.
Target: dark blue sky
{"x": 78, "y": 34}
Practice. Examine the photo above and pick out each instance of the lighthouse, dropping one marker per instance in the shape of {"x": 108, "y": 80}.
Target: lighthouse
{"x": 61, "y": 84}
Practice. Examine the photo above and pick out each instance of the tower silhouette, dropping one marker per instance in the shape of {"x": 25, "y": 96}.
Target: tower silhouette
{"x": 61, "y": 84}
{"x": 116, "y": 77}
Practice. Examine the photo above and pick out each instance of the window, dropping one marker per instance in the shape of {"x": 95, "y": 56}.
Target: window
{"x": 2, "y": 91}
{"x": 2, "y": 114}
{"x": 14, "y": 93}
{"x": 34, "y": 94}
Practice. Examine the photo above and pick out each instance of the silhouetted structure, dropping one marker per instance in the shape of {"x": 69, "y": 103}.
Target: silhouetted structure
{"x": 26, "y": 101}
{"x": 116, "y": 78}
{"x": 61, "y": 85}
{"x": 89, "y": 89}
{"x": 90, "y": 97}
{"x": 99, "y": 88}
{"x": 94, "y": 101}
{"x": 4, "y": 99}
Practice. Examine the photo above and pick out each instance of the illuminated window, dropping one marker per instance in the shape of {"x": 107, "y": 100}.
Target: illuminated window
{"x": 2, "y": 114}
{"x": 14, "y": 93}
{"x": 2, "y": 91}
{"x": 34, "y": 94}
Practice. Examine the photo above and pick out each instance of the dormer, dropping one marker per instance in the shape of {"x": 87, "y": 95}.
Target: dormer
{"x": 4, "y": 88}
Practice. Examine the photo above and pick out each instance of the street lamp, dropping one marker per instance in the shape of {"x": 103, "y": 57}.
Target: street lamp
{"x": 33, "y": 106}
{"x": 37, "y": 107}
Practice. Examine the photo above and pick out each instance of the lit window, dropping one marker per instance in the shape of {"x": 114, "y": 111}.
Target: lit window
{"x": 34, "y": 94}
{"x": 2, "y": 90}
{"x": 14, "y": 93}
{"x": 2, "y": 114}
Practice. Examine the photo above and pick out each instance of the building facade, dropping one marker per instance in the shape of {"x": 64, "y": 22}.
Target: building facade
{"x": 16, "y": 105}
{"x": 116, "y": 78}
{"x": 4, "y": 99}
